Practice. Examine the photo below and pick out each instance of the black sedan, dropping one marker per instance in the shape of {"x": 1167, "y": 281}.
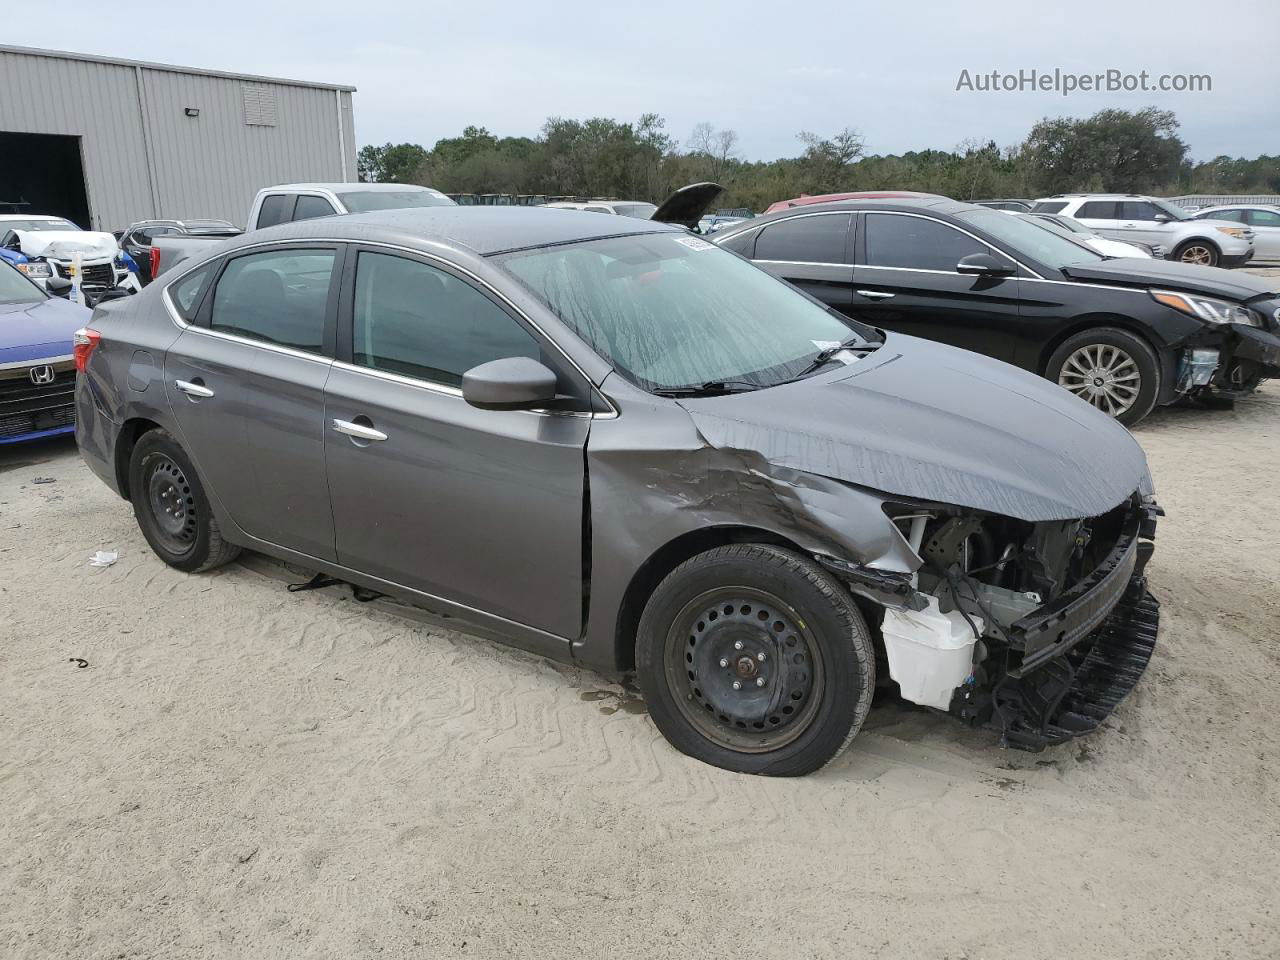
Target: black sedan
{"x": 1124, "y": 334}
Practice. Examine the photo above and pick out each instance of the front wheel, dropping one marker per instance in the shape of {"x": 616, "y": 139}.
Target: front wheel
{"x": 1201, "y": 252}
{"x": 753, "y": 658}
{"x": 1112, "y": 369}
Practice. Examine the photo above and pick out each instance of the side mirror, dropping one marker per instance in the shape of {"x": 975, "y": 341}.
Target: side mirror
{"x": 58, "y": 287}
{"x": 1162, "y": 218}
{"x": 984, "y": 265}
{"x": 512, "y": 383}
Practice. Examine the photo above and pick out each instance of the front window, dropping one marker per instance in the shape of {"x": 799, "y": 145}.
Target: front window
{"x": 363, "y": 201}
{"x": 1028, "y": 240}
{"x": 674, "y": 312}
{"x": 15, "y": 288}
{"x": 1174, "y": 211}
{"x": 641, "y": 211}
{"x": 38, "y": 225}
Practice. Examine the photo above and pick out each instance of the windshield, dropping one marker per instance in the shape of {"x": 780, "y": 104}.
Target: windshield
{"x": 670, "y": 311}
{"x": 362, "y": 201}
{"x": 38, "y": 225}
{"x": 1031, "y": 239}
{"x": 641, "y": 211}
{"x": 15, "y": 288}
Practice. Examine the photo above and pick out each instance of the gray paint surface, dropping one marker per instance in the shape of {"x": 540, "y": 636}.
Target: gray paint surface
{"x": 485, "y": 515}
{"x": 145, "y": 158}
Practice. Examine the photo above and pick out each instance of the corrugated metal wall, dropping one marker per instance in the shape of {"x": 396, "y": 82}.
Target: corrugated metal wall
{"x": 144, "y": 157}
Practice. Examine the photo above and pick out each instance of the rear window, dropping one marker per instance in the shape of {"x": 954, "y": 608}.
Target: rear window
{"x": 641, "y": 211}
{"x": 362, "y": 201}
{"x": 1049, "y": 206}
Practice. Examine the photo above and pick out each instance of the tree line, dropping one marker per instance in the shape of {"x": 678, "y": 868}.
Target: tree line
{"x": 1113, "y": 150}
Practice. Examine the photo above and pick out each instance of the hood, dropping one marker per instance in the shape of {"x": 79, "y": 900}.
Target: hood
{"x": 34, "y": 331}
{"x": 63, "y": 244}
{"x": 687, "y": 205}
{"x": 922, "y": 420}
{"x": 1212, "y": 281}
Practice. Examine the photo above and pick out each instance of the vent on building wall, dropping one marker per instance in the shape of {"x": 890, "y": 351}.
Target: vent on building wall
{"x": 259, "y": 105}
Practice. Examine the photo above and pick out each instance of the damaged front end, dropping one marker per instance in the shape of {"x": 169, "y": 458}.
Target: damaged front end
{"x": 1038, "y": 629}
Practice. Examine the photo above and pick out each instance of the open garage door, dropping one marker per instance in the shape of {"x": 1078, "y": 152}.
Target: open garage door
{"x": 43, "y": 173}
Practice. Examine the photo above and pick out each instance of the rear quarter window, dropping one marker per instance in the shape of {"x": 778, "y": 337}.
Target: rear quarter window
{"x": 188, "y": 292}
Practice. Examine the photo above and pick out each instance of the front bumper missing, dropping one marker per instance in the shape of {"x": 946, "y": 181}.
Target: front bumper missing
{"x": 1083, "y": 653}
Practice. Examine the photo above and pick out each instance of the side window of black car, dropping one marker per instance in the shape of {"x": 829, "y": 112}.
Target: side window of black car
{"x": 415, "y": 320}
{"x": 1098, "y": 210}
{"x": 817, "y": 238}
{"x": 275, "y": 208}
{"x": 896, "y": 240}
{"x": 278, "y": 297}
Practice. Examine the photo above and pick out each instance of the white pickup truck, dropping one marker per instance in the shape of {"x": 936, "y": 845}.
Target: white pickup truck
{"x": 302, "y": 201}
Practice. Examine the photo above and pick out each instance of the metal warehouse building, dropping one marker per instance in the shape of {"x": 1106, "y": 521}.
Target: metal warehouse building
{"x": 106, "y": 142}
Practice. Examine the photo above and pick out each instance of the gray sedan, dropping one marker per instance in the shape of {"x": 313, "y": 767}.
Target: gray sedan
{"x": 613, "y": 443}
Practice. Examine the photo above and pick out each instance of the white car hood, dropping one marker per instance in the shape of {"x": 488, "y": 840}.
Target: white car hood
{"x": 1115, "y": 248}
{"x": 63, "y": 244}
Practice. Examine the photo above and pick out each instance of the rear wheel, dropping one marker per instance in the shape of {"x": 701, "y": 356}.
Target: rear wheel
{"x": 1197, "y": 251}
{"x": 753, "y": 658}
{"x": 171, "y": 507}
{"x": 1112, "y": 369}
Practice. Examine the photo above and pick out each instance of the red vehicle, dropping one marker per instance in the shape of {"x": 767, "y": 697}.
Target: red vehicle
{"x": 805, "y": 198}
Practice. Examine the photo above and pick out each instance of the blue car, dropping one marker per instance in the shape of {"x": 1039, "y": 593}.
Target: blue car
{"x": 37, "y": 366}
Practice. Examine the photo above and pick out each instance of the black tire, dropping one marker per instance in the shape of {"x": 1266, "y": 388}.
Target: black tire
{"x": 806, "y": 667}
{"x": 1200, "y": 252}
{"x": 171, "y": 507}
{"x": 1068, "y": 370}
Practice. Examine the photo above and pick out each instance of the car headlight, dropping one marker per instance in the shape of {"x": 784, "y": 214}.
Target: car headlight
{"x": 1237, "y": 232}
{"x": 36, "y": 271}
{"x": 1207, "y": 308}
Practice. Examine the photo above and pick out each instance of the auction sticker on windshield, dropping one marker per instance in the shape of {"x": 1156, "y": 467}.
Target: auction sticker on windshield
{"x": 693, "y": 243}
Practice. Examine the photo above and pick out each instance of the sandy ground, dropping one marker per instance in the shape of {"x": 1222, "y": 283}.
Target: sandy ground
{"x": 244, "y": 773}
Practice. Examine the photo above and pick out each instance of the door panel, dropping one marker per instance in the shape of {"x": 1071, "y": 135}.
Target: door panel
{"x": 482, "y": 508}
{"x": 1266, "y": 229}
{"x": 905, "y": 281}
{"x": 259, "y": 345}
{"x": 479, "y": 507}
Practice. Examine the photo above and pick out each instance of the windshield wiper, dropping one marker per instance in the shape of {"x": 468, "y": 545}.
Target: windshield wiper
{"x": 710, "y": 388}
{"x": 826, "y": 355}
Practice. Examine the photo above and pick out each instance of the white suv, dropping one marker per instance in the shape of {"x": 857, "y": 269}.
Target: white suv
{"x": 1156, "y": 222}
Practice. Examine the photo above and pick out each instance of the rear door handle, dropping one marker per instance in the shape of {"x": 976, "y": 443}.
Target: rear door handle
{"x": 358, "y": 430}
{"x": 874, "y": 294}
{"x": 193, "y": 389}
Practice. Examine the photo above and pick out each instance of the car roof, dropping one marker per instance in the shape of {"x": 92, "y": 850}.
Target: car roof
{"x": 483, "y": 230}
{"x": 30, "y": 216}
{"x": 1239, "y": 206}
{"x": 943, "y": 205}
{"x": 353, "y": 187}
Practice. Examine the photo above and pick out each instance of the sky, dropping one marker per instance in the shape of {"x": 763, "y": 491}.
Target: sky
{"x": 424, "y": 69}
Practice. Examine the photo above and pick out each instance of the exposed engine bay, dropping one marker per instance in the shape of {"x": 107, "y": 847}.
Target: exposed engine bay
{"x": 1039, "y": 629}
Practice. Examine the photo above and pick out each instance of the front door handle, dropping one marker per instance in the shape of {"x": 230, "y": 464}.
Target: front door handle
{"x": 358, "y": 431}
{"x": 874, "y": 294}
{"x": 193, "y": 389}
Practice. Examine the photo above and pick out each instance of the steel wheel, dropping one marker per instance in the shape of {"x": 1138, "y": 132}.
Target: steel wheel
{"x": 1103, "y": 374}
{"x": 171, "y": 503}
{"x": 1197, "y": 253}
{"x": 744, "y": 668}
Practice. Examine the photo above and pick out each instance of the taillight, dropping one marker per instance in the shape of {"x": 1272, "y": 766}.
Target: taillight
{"x": 155, "y": 262}
{"x": 83, "y": 342}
